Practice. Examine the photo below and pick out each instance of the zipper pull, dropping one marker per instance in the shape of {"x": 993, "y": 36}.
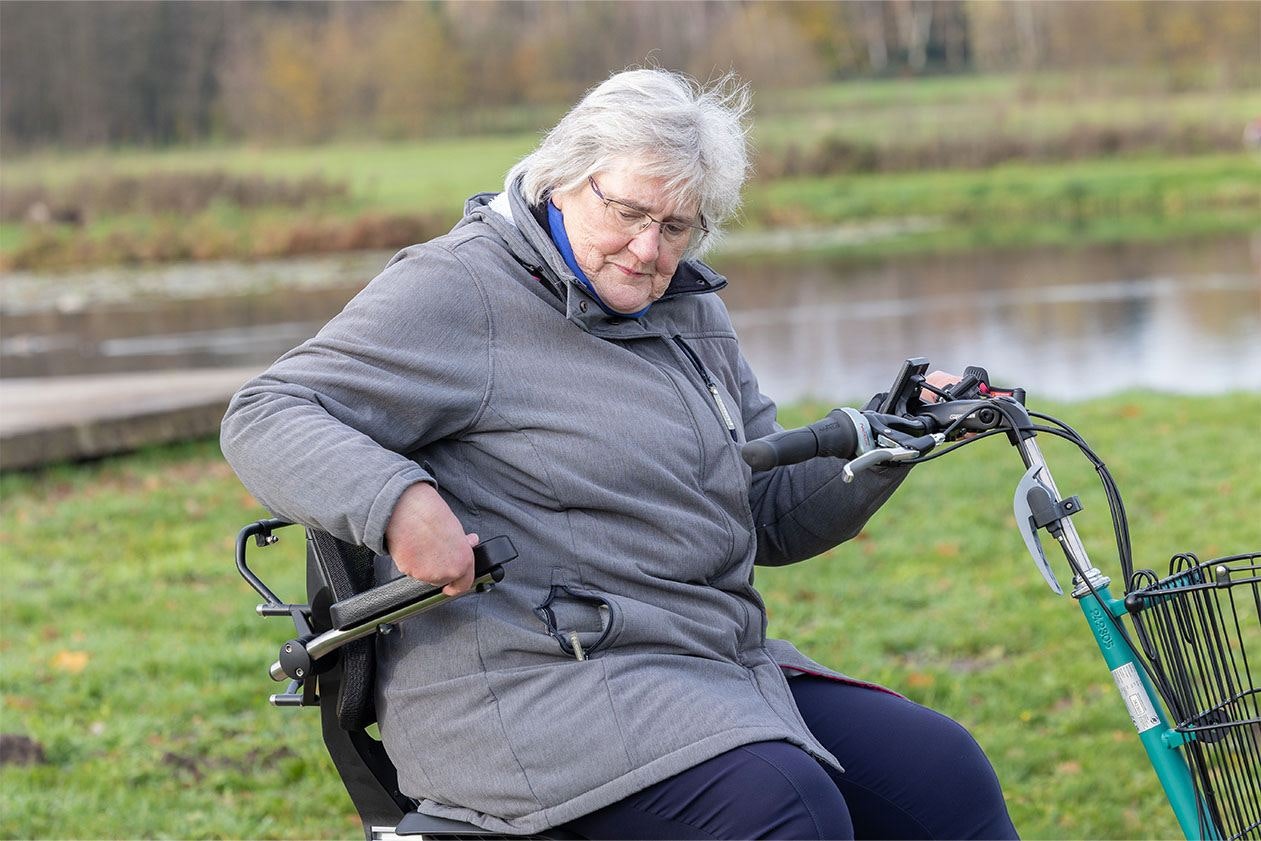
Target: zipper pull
{"x": 710, "y": 386}
{"x": 722, "y": 410}
{"x": 579, "y": 654}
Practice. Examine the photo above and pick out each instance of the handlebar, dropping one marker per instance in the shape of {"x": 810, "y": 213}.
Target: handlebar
{"x": 896, "y": 426}
{"x": 900, "y": 426}
{"x": 838, "y": 434}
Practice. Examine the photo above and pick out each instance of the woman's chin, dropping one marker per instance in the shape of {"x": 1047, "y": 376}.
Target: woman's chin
{"x": 623, "y": 300}
{"x": 626, "y": 307}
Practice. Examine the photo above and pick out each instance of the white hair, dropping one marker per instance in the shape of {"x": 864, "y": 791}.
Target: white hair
{"x": 666, "y": 125}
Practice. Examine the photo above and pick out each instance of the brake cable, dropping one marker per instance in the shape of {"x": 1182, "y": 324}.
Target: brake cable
{"x": 1116, "y": 507}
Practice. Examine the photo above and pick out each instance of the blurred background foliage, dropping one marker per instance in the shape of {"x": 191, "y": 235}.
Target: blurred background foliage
{"x": 139, "y": 132}
{"x": 161, "y": 73}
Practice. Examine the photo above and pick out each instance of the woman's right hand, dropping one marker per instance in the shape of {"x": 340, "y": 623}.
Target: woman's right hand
{"x": 427, "y": 542}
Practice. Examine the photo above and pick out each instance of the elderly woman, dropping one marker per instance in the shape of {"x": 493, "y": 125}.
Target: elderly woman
{"x": 558, "y": 368}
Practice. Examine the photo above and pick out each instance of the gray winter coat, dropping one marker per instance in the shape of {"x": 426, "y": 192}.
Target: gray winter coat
{"x": 608, "y": 449}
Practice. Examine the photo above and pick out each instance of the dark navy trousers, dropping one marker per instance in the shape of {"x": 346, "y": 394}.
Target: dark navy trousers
{"x": 910, "y": 772}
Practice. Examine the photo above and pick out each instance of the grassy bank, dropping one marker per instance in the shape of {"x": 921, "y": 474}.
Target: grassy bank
{"x": 983, "y": 160}
{"x": 1019, "y": 205}
{"x": 130, "y": 652}
{"x": 1013, "y": 205}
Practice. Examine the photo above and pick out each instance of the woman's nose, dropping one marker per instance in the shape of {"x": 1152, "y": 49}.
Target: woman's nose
{"x": 646, "y": 244}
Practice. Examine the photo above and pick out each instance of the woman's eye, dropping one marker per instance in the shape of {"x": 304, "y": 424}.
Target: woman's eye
{"x": 629, "y": 215}
{"x": 674, "y": 230}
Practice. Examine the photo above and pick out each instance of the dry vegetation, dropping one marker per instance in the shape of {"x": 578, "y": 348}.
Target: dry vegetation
{"x": 88, "y": 198}
{"x": 833, "y": 155}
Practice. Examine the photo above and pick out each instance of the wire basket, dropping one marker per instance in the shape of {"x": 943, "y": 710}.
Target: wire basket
{"x": 1200, "y": 629}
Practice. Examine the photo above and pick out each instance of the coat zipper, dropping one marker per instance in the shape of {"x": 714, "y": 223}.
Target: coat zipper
{"x": 710, "y": 385}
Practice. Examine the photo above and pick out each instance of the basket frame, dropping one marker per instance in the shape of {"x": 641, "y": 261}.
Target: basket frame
{"x": 1199, "y": 630}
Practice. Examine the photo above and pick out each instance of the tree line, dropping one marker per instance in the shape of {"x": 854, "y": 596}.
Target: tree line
{"x": 157, "y": 73}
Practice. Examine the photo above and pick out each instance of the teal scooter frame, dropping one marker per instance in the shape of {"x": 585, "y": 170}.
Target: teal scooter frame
{"x": 1103, "y": 614}
{"x": 1193, "y": 633}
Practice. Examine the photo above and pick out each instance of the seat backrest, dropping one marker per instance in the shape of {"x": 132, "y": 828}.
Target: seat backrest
{"x": 337, "y": 570}
{"x": 345, "y": 570}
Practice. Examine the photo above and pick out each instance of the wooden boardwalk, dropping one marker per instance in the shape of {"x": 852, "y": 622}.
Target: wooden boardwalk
{"x": 57, "y": 419}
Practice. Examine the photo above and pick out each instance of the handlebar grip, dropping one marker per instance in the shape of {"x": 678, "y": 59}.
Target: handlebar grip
{"x": 834, "y": 435}
{"x": 488, "y": 557}
{"x": 787, "y": 447}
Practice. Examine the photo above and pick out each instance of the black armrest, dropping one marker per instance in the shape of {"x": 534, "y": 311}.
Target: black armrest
{"x": 488, "y": 558}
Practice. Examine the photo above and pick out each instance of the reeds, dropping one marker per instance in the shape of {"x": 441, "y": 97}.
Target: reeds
{"x": 169, "y": 240}
{"x": 839, "y": 155}
{"x": 89, "y": 198}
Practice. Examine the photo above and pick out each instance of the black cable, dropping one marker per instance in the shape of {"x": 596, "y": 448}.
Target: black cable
{"x": 1116, "y": 507}
{"x": 1208, "y": 807}
{"x": 1120, "y": 525}
{"x": 936, "y": 453}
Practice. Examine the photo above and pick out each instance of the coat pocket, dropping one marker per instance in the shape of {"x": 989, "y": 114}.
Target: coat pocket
{"x": 581, "y": 621}
{"x": 561, "y": 726}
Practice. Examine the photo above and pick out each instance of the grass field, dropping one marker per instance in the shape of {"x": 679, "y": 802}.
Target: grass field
{"x": 1077, "y": 164}
{"x": 1017, "y": 205}
{"x": 131, "y": 653}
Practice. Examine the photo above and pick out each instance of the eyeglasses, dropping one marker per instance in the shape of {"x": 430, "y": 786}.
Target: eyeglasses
{"x": 632, "y": 221}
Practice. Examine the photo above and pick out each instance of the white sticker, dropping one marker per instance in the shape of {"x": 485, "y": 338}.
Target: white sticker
{"x": 1142, "y": 713}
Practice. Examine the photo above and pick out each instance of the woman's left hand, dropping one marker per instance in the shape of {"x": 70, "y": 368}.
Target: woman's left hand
{"x": 939, "y": 379}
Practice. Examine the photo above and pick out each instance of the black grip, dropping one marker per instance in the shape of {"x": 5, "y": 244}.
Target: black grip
{"x": 787, "y": 447}
{"x": 488, "y": 557}
{"x": 834, "y": 435}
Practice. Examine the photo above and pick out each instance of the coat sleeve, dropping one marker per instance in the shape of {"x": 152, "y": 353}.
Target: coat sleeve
{"x": 323, "y": 436}
{"x": 804, "y": 509}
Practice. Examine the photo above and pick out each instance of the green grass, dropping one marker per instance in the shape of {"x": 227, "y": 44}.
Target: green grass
{"x": 425, "y": 175}
{"x": 130, "y": 650}
{"x": 938, "y": 599}
{"x": 425, "y": 179}
{"x": 1154, "y": 186}
{"x": 131, "y": 653}
{"x": 1016, "y": 205}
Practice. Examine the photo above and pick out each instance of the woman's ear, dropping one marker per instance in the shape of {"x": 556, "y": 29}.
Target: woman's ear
{"x": 559, "y": 200}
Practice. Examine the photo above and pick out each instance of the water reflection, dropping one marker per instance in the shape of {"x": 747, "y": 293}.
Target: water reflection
{"x": 1064, "y": 324}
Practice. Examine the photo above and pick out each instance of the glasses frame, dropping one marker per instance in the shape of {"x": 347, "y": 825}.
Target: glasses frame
{"x": 698, "y": 230}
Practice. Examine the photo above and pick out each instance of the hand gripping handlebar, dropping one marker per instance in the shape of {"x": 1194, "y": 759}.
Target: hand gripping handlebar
{"x": 896, "y": 426}
{"x": 843, "y": 433}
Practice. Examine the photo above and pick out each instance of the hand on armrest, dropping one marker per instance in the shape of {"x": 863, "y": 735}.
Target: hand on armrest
{"x": 428, "y": 543}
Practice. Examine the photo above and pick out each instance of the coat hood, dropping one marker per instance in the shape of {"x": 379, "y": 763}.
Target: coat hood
{"x": 513, "y": 219}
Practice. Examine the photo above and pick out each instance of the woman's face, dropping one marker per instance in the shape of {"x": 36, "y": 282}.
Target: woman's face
{"x": 628, "y": 271}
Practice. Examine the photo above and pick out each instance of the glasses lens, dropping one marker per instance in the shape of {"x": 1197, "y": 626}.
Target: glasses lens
{"x": 676, "y": 231}
{"x": 629, "y": 222}
{"x": 624, "y": 219}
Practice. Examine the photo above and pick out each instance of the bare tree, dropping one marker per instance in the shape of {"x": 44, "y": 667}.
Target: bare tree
{"x": 914, "y": 21}
{"x": 81, "y": 73}
{"x": 874, "y": 32}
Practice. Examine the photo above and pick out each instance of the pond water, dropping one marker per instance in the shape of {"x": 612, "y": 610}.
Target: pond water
{"x": 1063, "y": 323}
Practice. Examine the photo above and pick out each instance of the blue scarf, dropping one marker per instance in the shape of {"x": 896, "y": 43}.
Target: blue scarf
{"x": 556, "y": 224}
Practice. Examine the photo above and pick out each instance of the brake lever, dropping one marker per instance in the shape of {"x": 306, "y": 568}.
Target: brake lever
{"x": 871, "y": 458}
